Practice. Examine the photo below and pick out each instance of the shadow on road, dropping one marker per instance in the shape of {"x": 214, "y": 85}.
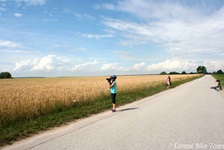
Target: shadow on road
{"x": 215, "y": 88}
{"x": 127, "y": 109}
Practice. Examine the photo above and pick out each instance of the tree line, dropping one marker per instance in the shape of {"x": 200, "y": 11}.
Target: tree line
{"x": 200, "y": 70}
{"x": 5, "y": 75}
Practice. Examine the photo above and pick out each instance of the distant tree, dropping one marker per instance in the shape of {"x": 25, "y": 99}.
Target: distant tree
{"x": 5, "y": 75}
{"x": 174, "y": 72}
{"x": 219, "y": 72}
{"x": 163, "y": 73}
{"x": 204, "y": 70}
{"x": 201, "y": 69}
{"x": 183, "y": 72}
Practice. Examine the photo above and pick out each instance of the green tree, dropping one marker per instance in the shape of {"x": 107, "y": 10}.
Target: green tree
{"x": 174, "y": 72}
{"x": 201, "y": 69}
{"x": 163, "y": 73}
{"x": 5, "y": 75}
{"x": 219, "y": 72}
{"x": 183, "y": 72}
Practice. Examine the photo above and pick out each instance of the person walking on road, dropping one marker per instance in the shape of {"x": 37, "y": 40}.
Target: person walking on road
{"x": 113, "y": 91}
{"x": 168, "y": 82}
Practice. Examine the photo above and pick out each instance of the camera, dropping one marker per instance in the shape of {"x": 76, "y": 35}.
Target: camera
{"x": 109, "y": 80}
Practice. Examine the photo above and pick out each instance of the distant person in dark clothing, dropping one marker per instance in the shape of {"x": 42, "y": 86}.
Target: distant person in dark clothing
{"x": 219, "y": 85}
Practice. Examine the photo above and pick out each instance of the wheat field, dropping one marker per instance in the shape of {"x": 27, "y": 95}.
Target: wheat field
{"x": 29, "y": 97}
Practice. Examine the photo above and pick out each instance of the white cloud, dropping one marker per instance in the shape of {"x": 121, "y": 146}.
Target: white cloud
{"x": 16, "y": 51}
{"x": 110, "y": 66}
{"x": 57, "y": 66}
{"x": 162, "y": 10}
{"x": 139, "y": 66}
{"x": 32, "y": 2}
{"x": 214, "y": 65}
{"x": 108, "y": 6}
{"x": 175, "y": 35}
{"x": 18, "y": 15}
{"x": 47, "y": 63}
{"x": 53, "y": 65}
{"x": 23, "y": 65}
{"x": 9, "y": 44}
{"x": 173, "y": 65}
{"x": 83, "y": 66}
{"x": 96, "y": 36}
{"x": 181, "y": 31}
{"x": 78, "y": 16}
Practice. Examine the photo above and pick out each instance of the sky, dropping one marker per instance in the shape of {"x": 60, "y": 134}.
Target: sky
{"x": 53, "y": 38}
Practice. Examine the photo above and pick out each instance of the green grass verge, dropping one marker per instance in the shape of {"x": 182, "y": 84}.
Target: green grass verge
{"x": 219, "y": 77}
{"x": 11, "y": 131}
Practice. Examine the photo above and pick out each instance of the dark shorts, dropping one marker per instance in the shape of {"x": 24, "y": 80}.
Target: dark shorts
{"x": 113, "y": 97}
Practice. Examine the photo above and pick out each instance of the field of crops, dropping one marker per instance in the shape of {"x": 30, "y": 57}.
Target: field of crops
{"x": 32, "y": 97}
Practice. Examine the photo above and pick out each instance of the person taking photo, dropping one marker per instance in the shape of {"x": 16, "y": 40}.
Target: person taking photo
{"x": 113, "y": 91}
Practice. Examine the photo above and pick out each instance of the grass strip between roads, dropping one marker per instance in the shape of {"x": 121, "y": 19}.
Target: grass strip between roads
{"x": 12, "y": 131}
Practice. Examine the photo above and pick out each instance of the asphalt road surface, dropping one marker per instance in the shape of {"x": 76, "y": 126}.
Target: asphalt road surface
{"x": 190, "y": 116}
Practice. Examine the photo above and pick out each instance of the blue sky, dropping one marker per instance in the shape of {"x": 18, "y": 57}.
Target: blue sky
{"x": 100, "y": 37}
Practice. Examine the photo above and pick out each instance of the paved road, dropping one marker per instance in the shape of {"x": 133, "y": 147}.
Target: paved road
{"x": 190, "y": 116}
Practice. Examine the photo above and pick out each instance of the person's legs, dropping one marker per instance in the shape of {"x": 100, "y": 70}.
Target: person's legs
{"x": 114, "y": 106}
{"x": 168, "y": 84}
{"x": 113, "y": 96}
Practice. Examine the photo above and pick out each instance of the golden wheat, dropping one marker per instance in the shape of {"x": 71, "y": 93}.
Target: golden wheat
{"x": 21, "y": 98}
